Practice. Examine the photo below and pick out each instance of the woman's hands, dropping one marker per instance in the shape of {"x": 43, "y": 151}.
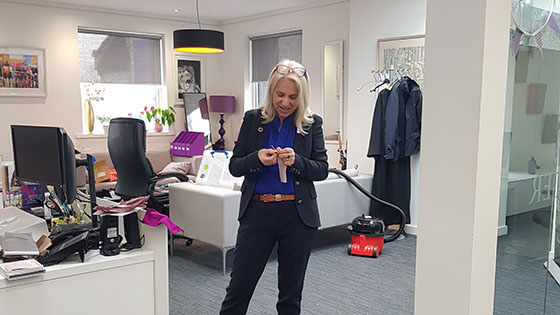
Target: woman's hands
{"x": 287, "y": 155}
{"x": 270, "y": 156}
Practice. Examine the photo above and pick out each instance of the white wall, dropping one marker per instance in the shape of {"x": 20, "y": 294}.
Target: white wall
{"x": 55, "y": 30}
{"x": 370, "y": 21}
{"x": 319, "y": 25}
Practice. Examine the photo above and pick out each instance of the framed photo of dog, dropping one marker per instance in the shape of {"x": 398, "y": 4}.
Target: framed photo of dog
{"x": 189, "y": 75}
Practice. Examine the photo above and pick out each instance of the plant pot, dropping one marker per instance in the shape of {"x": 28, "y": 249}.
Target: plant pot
{"x": 158, "y": 127}
{"x": 106, "y": 129}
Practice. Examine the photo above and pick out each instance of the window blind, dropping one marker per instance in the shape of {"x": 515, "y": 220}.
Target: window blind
{"x": 268, "y": 50}
{"x": 125, "y": 58}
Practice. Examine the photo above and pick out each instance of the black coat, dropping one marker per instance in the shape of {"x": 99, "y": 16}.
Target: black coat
{"x": 310, "y": 163}
{"x": 403, "y": 119}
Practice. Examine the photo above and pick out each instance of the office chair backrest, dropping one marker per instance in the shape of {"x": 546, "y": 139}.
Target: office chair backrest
{"x": 127, "y": 147}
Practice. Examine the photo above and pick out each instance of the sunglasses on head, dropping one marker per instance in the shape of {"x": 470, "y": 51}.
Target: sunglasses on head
{"x": 285, "y": 70}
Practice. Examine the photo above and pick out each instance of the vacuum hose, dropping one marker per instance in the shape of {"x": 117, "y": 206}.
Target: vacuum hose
{"x": 390, "y": 237}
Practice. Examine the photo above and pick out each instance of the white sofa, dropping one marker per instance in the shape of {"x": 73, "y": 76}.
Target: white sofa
{"x": 209, "y": 214}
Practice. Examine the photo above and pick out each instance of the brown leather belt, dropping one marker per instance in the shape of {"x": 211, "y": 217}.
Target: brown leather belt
{"x": 274, "y": 197}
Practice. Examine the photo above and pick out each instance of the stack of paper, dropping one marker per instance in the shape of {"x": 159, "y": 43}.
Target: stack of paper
{"x": 21, "y": 269}
{"x": 18, "y": 244}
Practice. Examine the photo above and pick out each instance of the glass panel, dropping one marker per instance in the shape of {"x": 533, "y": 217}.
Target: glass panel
{"x": 196, "y": 114}
{"x": 534, "y": 90}
{"x": 529, "y": 170}
{"x": 332, "y": 90}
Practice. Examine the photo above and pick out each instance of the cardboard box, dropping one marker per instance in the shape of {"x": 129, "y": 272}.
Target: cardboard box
{"x": 101, "y": 171}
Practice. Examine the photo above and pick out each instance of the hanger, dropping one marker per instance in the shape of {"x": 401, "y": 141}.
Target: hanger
{"x": 386, "y": 81}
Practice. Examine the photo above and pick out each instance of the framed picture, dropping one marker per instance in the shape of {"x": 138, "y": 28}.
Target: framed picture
{"x": 403, "y": 54}
{"x": 22, "y": 72}
{"x": 189, "y": 76}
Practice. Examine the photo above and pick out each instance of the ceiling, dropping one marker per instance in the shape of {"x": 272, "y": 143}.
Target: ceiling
{"x": 211, "y": 11}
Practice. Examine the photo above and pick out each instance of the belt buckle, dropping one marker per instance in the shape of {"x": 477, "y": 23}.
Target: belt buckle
{"x": 278, "y": 197}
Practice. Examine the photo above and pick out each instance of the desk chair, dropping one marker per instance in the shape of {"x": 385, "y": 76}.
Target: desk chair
{"x": 126, "y": 141}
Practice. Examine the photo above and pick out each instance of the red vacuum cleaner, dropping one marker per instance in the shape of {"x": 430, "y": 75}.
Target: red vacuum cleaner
{"x": 368, "y": 233}
{"x": 368, "y": 236}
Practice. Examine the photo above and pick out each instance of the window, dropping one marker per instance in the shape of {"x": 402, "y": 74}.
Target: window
{"x": 266, "y": 52}
{"x": 121, "y": 74}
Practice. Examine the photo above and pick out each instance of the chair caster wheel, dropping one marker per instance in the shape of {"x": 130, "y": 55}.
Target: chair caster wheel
{"x": 189, "y": 242}
{"x": 349, "y": 249}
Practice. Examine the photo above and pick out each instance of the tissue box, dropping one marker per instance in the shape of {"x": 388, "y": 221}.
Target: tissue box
{"x": 188, "y": 143}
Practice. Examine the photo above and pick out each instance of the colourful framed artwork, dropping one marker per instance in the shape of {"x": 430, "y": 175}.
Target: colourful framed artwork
{"x": 22, "y": 72}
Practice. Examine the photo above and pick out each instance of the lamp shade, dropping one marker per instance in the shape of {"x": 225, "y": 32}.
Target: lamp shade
{"x": 222, "y": 104}
{"x": 198, "y": 41}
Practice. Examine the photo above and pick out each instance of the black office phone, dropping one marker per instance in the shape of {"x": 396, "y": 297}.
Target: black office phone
{"x": 67, "y": 240}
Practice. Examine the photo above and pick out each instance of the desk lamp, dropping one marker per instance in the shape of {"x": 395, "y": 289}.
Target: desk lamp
{"x": 221, "y": 104}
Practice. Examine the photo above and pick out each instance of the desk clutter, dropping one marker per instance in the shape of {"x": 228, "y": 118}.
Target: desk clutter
{"x": 25, "y": 247}
{"x": 21, "y": 269}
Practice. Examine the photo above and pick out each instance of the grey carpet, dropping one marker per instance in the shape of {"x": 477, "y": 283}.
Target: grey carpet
{"x": 335, "y": 283}
{"x": 338, "y": 284}
{"x": 522, "y": 284}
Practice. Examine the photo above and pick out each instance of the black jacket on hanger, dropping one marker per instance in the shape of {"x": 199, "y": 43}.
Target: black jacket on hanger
{"x": 403, "y": 120}
{"x": 396, "y": 118}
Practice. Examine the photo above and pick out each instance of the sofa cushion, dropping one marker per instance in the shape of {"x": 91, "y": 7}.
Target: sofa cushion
{"x": 159, "y": 159}
{"x": 177, "y": 167}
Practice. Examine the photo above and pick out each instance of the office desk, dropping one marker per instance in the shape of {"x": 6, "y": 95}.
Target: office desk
{"x": 527, "y": 192}
{"x": 134, "y": 282}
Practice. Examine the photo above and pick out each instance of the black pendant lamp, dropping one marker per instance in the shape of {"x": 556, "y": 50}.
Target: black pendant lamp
{"x": 198, "y": 40}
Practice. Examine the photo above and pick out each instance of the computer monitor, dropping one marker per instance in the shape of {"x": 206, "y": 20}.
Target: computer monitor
{"x": 45, "y": 155}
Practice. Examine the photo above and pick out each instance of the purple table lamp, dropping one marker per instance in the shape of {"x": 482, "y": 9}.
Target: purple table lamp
{"x": 221, "y": 104}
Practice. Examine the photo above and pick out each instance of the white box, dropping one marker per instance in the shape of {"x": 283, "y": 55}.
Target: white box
{"x": 21, "y": 221}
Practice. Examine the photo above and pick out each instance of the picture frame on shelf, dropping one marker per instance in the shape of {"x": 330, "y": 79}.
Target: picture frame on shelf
{"x": 188, "y": 76}
{"x": 22, "y": 72}
{"x": 401, "y": 53}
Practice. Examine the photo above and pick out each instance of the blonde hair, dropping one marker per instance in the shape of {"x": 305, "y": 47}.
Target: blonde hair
{"x": 302, "y": 116}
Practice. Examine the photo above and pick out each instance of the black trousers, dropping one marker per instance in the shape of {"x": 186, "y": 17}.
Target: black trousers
{"x": 262, "y": 226}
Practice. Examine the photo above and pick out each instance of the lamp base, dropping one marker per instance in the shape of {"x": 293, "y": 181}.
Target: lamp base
{"x": 219, "y": 145}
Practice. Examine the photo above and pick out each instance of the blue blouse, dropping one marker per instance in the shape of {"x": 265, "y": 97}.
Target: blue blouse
{"x": 269, "y": 180}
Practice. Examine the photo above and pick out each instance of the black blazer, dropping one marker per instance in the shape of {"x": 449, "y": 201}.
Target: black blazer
{"x": 310, "y": 163}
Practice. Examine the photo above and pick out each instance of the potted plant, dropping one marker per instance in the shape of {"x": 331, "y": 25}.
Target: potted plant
{"x": 162, "y": 117}
{"x": 104, "y": 121}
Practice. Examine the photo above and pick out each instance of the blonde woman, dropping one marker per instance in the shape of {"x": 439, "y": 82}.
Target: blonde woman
{"x": 280, "y": 150}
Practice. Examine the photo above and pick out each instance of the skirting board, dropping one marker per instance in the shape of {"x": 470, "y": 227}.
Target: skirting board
{"x": 413, "y": 229}
{"x": 502, "y": 230}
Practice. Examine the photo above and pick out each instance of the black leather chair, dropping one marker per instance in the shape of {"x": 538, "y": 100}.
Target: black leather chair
{"x": 136, "y": 177}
